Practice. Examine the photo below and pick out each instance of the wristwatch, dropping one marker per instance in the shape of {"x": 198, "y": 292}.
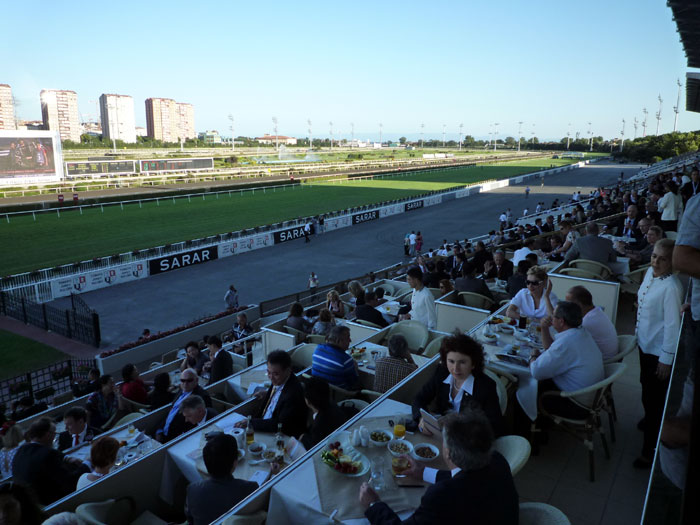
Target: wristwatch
{"x": 375, "y": 501}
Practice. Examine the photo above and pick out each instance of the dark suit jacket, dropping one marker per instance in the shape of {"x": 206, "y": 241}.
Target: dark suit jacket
{"x": 483, "y": 496}
{"x": 503, "y": 274}
{"x": 471, "y": 284}
{"x": 178, "y": 425}
{"x": 42, "y": 468}
{"x": 480, "y": 258}
{"x": 592, "y": 248}
{"x": 210, "y": 498}
{"x": 371, "y": 314}
{"x": 65, "y": 440}
{"x": 325, "y": 423}
{"x": 221, "y": 367}
{"x": 517, "y": 282}
{"x": 291, "y": 410}
{"x": 547, "y": 228}
{"x": 435, "y": 398}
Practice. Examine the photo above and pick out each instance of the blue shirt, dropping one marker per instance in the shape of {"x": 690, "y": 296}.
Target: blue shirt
{"x": 335, "y": 366}
{"x": 173, "y": 411}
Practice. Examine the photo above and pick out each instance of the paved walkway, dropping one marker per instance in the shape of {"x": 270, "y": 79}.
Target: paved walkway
{"x": 175, "y": 298}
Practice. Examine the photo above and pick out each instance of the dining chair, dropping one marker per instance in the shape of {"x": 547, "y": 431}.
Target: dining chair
{"x": 516, "y": 450}
{"x": 366, "y": 323}
{"x": 578, "y": 272}
{"x": 541, "y": 514}
{"x": 592, "y": 266}
{"x": 433, "y": 347}
{"x": 475, "y": 300}
{"x": 415, "y": 332}
{"x": 303, "y": 355}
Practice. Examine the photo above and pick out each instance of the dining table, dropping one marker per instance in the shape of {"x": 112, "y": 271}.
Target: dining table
{"x": 247, "y": 382}
{"x": 135, "y": 444}
{"x": 367, "y": 362}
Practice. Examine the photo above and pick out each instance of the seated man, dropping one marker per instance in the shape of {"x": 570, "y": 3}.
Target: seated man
{"x": 77, "y": 430}
{"x": 175, "y": 423}
{"x": 210, "y": 498}
{"x": 518, "y": 280}
{"x": 591, "y": 247}
{"x": 327, "y": 416}
{"x": 501, "y": 268}
{"x": 479, "y": 487}
{"x": 393, "y": 368}
{"x": 520, "y": 254}
{"x": 283, "y": 402}
{"x": 369, "y": 312}
{"x": 469, "y": 283}
{"x": 46, "y": 470}
{"x": 195, "y": 412}
{"x": 595, "y": 321}
{"x": 555, "y": 243}
{"x": 332, "y": 363}
{"x": 25, "y": 408}
{"x": 643, "y": 255}
{"x": 240, "y": 330}
{"x": 571, "y": 360}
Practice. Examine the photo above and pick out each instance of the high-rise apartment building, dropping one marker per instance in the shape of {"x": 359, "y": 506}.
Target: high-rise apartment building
{"x": 59, "y": 110}
{"x": 7, "y": 108}
{"x": 117, "y": 116}
{"x": 168, "y": 120}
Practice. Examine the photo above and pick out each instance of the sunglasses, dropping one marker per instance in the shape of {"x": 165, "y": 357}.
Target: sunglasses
{"x": 534, "y": 283}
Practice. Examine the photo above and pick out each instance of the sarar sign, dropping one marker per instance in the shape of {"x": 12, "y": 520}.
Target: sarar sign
{"x": 413, "y": 205}
{"x": 289, "y": 234}
{"x": 366, "y": 216}
{"x": 180, "y": 260}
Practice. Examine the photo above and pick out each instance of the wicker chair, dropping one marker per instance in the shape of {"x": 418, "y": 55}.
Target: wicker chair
{"x": 475, "y": 300}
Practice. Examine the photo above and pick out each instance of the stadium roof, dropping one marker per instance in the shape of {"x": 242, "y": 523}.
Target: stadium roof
{"x": 686, "y": 13}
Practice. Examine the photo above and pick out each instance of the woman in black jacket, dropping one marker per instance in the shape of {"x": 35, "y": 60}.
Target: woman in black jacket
{"x": 327, "y": 416}
{"x": 459, "y": 382}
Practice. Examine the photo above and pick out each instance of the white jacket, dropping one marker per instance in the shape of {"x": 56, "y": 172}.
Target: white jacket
{"x": 670, "y": 206}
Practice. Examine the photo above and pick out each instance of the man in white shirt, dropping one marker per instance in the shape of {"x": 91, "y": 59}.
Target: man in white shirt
{"x": 595, "y": 321}
{"x": 422, "y": 300}
{"x": 571, "y": 360}
{"x": 412, "y": 244}
{"x": 503, "y": 219}
{"x": 521, "y": 253}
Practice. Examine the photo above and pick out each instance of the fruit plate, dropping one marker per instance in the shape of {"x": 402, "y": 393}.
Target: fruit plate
{"x": 347, "y": 456}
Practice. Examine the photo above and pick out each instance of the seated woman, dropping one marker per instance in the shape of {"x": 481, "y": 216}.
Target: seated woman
{"x": 161, "y": 394}
{"x": 103, "y": 455}
{"x": 459, "y": 384}
{"x": 12, "y": 439}
{"x": 195, "y": 359}
{"x": 357, "y": 292}
{"x": 133, "y": 388}
{"x": 102, "y": 405}
{"x": 324, "y": 323}
{"x": 394, "y": 367}
{"x": 334, "y": 304}
{"x": 296, "y": 319}
{"x": 445, "y": 286}
{"x": 536, "y": 300}
{"x": 327, "y": 416}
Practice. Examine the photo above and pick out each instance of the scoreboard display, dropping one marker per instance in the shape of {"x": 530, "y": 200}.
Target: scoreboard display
{"x": 110, "y": 167}
{"x": 176, "y": 165}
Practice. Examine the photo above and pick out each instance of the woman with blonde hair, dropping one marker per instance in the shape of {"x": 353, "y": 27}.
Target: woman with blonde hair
{"x": 334, "y": 304}
{"x": 12, "y": 439}
{"x": 357, "y": 292}
{"x": 536, "y": 300}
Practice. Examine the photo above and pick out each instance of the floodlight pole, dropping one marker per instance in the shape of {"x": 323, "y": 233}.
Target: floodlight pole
{"x": 352, "y": 134}
{"x": 622, "y": 134}
{"x": 568, "y": 136}
{"x": 422, "y": 127}
{"x": 658, "y": 115}
{"x": 495, "y": 135}
{"x": 311, "y": 139}
{"x": 274, "y": 122}
{"x": 460, "y": 136}
{"x": 591, "y": 137}
{"x": 644, "y": 123}
{"x": 635, "y": 128}
{"x": 520, "y": 133}
{"x": 233, "y": 139}
{"x": 444, "y": 126}
{"x": 380, "y": 133}
{"x": 676, "y": 108}
{"x": 331, "y": 127}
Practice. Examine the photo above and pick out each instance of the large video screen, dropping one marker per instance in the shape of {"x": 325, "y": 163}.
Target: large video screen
{"x": 176, "y": 164}
{"x": 29, "y": 157}
{"x": 100, "y": 168}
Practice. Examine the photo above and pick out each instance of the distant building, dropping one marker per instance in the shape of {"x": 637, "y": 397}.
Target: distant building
{"x": 59, "y": 110}
{"x": 210, "y": 137}
{"x": 30, "y": 125}
{"x": 277, "y": 139}
{"x": 7, "y": 108}
{"x": 168, "y": 120}
{"x": 92, "y": 128}
{"x": 141, "y": 132}
{"x": 117, "y": 117}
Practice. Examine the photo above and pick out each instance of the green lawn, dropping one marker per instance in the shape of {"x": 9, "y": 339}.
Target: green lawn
{"x": 20, "y": 354}
{"x": 51, "y": 240}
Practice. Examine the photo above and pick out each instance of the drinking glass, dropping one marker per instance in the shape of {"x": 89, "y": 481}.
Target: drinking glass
{"x": 377, "y": 479}
{"x": 400, "y": 427}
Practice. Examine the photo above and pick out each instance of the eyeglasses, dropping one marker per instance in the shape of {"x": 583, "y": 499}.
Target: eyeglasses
{"x": 534, "y": 283}
{"x": 190, "y": 380}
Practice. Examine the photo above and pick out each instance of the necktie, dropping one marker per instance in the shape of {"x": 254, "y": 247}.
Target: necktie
{"x": 269, "y": 400}
{"x": 76, "y": 440}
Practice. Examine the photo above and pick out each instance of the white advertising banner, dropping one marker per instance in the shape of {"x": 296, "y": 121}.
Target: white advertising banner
{"x": 433, "y": 200}
{"x": 86, "y": 282}
{"x": 337, "y": 222}
{"x": 393, "y": 209}
{"x": 246, "y": 244}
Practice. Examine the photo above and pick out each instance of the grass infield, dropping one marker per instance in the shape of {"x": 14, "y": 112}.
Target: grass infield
{"x": 51, "y": 240}
{"x": 21, "y": 354}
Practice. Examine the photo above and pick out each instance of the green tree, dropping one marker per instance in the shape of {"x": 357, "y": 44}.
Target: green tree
{"x": 402, "y": 140}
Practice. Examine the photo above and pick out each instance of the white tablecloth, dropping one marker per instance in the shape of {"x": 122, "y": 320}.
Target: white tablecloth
{"x": 146, "y": 444}
{"x": 235, "y": 382}
{"x": 294, "y": 499}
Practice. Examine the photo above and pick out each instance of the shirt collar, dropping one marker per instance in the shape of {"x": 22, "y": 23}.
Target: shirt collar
{"x": 467, "y": 386}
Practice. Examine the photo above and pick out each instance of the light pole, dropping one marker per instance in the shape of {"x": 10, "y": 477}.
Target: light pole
{"x": 568, "y": 136}
{"x": 495, "y": 135}
{"x": 520, "y": 133}
{"x": 658, "y": 115}
{"x": 622, "y": 135}
{"x": 533, "y": 135}
{"x": 460, "y": 136}
{"x": 644, "y": 123}
{"x": 311, "y": 139}
{"x": 422, "y": 127}
{"x": 591, "y": 137}
{"x": 380, "y": 133}
{"x": 676, "y": 108}
{"x": 444, "y": 126}
{"x": 352, "y": 133}
{"x": 331, "y": 127}
{"x": 635, "y": 128}
{"x": 233, "y": 138}
{"x": 274, "y": 126}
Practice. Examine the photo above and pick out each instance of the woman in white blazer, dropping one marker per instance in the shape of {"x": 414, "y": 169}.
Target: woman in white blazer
{"x": 670, "y": 206}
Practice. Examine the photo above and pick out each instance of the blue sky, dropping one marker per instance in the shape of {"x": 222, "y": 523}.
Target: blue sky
{"x": 547, "y": 63}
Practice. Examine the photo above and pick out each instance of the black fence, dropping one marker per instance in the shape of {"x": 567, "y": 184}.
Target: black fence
{"x": 79, "y": 322}
{"x": 44, "y": 384}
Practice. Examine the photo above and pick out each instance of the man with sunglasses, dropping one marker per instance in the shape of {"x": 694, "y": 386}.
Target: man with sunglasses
{"x": 175, "y": 423}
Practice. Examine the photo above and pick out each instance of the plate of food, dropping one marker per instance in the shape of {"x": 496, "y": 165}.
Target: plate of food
{"x": 256, "y": 449}
{"x": 425, "y": 452}
{"x": 379, "y": 438}
{"x": 272, "y": 455}
{"x": 490, "y": 338}
{"x": 507, "y": 329}
{"x": 346, "y": 461}
{"x": 358, "y": 353}
{"x": 399, "y": 447}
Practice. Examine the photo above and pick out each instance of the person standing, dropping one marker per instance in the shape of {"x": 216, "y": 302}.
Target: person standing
{"x": 406, "y": 244}
{"x": 412, "y": 243}
{"x": 231, "y": 298}
{"x": 220, "y": 364}
{"x": 307, "y": 232}
{"x": 312, "y": 285}
{"x": 422, "y": 301}
{"x": 419, "y": 242}
{"x": 503, "y": 220}
{"x": 527, "y": 191}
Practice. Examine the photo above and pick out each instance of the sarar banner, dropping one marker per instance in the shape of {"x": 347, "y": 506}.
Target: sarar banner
{"x": 180, "y": 260}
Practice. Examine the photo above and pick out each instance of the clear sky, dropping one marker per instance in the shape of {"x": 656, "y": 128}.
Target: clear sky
{"x": 547, "y": 63}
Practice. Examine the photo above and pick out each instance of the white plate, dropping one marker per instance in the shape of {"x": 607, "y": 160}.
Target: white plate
{"x": 422, "y": 445}
{"x": 506, "y": 328}
{"x": 355, "y": 456}
{"x": 522, "y": 337}
{"x": 490, "y": 340}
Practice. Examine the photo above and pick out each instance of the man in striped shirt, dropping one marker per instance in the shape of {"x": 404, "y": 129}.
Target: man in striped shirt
{"x": 331, "y": 362}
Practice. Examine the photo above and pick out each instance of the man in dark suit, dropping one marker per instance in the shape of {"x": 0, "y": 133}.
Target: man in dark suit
{"x": 195, "y": 412}
{"x": 220, "y": 361}
{"x": 175, "y": 423}
{"x": 47, "y": 471}
{"x": 591, "y": 247}
{"x": 481, "y": 255}
{"x": 478, "y": 488}
{"x": 548, "y": 225}
{"x": 210, "y": 498}
{"x": 283, "y": 402}
{"x": 77, "y": 430}
{"x": 469, "y": 283}
{"x": 327, "y": 415}
{"x": 369, "y": 312}
{"x": 501, "y": 268}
